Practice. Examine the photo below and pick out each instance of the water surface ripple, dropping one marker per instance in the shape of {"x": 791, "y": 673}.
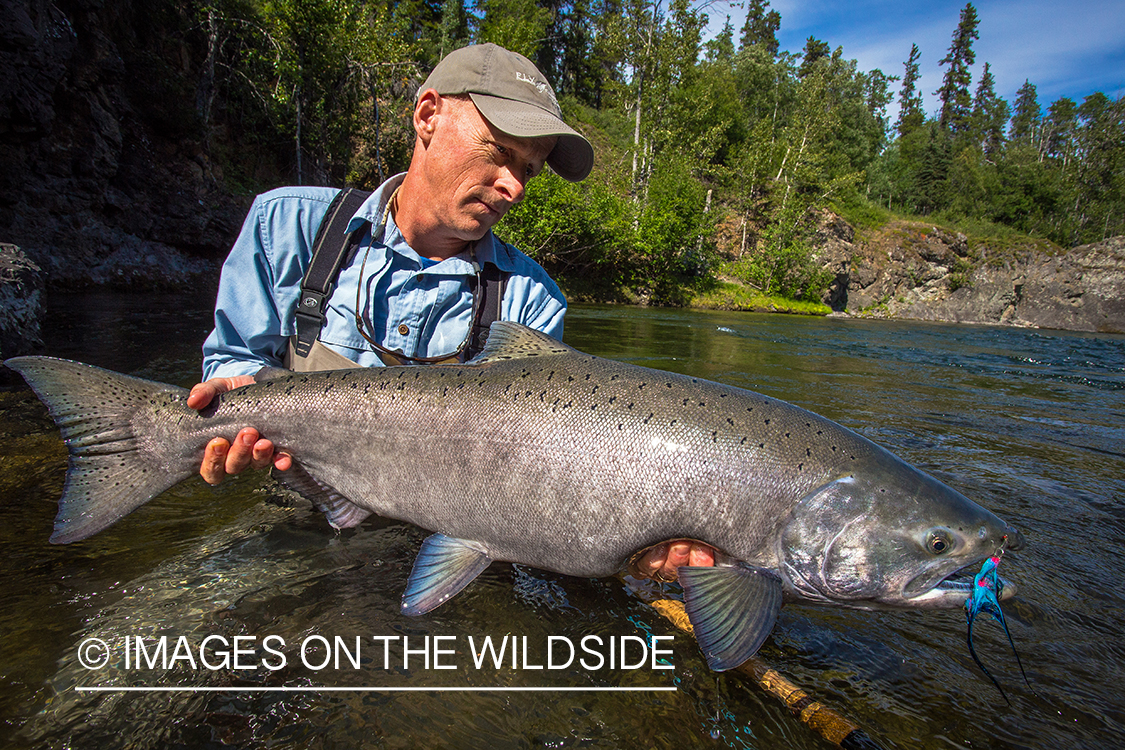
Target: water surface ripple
{"x": 1030, "y": 424}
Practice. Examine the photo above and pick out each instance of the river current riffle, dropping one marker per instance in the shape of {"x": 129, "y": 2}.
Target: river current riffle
{"x": 1029, "y": 423}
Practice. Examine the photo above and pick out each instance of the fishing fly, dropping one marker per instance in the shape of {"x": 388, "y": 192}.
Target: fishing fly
{"x": 985, "y": 597}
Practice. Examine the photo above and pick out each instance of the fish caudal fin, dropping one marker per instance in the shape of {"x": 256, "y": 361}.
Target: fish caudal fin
{"x": 732, "y": 610}
{"x": 109, "y": 474}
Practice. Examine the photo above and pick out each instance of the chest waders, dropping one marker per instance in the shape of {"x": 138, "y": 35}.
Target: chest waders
{"x": 333, "y": 244}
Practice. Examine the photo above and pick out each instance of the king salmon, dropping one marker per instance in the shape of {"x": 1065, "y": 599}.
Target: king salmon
{"x": 539, "y": 454}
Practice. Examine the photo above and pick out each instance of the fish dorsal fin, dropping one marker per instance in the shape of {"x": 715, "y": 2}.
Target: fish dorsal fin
{"x": 340, "y": 512}
{"x": 444, "y": 566}
{"x": 732, "y": 610}
{"x": 508, "y": 340}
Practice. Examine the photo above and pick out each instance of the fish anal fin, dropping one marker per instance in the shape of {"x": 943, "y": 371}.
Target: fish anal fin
{"x": 340, "y": 512}
{"x": 732, "y": 610}
{"x": 508, "y": 340}
{"x": 444, "y": 566}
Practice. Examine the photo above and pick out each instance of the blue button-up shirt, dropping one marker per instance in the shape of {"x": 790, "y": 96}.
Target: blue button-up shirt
{"x": 411, "y": 304}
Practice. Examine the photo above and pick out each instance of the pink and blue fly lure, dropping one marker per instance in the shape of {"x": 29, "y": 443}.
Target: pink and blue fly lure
{"x": 985, "y": 597}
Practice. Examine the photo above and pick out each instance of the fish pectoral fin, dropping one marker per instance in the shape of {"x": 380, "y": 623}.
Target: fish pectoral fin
{"x": 444, "y": 566}
{"x": 341, "y": 512}
{"x": 732, "y": 610}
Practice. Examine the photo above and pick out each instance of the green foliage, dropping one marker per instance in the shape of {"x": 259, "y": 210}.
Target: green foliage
{"x": 954, "y": 91}
{"x": 518, "y": 25}
{"x": 685, "y": 132}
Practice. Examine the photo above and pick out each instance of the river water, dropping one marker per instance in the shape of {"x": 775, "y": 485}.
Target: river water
{"x": 1030, "y": 424}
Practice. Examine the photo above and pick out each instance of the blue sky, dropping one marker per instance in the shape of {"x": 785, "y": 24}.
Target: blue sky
{"x": 1065, "y": 48}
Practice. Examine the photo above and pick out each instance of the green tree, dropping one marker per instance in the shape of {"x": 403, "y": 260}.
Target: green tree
{"x": 989, "y": 116}
{"x": 721, "y": 48}
{"x": 760, "y": 28}
{"x": 1025, "y": 125}
{"x": 910, "y": 112}
{"x": 518, "y": 25}
{"x": 814, "y": 50}
{"x": 454, "y": 27}
{"x": 954, "y": 91}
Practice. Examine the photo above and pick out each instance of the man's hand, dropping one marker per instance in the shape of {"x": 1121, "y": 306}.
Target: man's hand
{"x": 249, "y": 449}
{"x": 660, "y": 562}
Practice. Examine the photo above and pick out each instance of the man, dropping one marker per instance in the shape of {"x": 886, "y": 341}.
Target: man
{"x": 485, "y": 121}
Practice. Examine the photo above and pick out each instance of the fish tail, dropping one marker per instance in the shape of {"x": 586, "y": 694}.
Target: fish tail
{"x": 973, "y": 653}
{"x": 111, "y": 470}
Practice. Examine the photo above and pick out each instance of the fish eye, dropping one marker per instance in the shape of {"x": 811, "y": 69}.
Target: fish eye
{"x": 939, "y": 541}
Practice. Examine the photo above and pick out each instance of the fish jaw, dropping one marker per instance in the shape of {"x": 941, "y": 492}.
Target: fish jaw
{"x": 952, "y": 591}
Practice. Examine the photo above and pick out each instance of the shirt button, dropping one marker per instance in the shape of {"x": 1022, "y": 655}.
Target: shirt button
{"x": 403, "y": 330}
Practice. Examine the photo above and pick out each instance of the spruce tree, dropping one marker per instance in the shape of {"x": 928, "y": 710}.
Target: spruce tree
{"x": 760, "y": 29}
{"x": 1025, "y": 118}
{"x": 910, "y": 113}
{"x": 954, "y": 91}
{"x": 814, "y": 50}
{"x": 990, "y": 114}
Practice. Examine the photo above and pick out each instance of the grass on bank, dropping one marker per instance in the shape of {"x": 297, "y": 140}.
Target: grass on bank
{"x": 726, "y": 295}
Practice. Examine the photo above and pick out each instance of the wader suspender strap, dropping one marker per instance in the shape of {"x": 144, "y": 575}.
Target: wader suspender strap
{"x": 333, "y": 244}
{"x": 329, "y": 250}
{"x": 492, "y": 283}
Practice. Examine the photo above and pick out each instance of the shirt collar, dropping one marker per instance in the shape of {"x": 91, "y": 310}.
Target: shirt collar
{"x": 488, "y": 249}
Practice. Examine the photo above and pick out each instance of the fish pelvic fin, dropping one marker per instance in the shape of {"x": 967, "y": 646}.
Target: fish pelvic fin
{"x": 340, "y": 512}
{"x": 109, "y": 474}
{"x": 508, "y": 340}
{"x": 444, "y": 566}
{"x": 732, "y": 610}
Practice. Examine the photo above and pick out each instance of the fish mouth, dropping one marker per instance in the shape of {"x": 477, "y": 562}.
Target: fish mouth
{"x": 953, "y": 590}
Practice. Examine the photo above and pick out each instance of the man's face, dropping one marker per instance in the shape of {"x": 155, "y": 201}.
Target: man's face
{"x": 476, "y": 173}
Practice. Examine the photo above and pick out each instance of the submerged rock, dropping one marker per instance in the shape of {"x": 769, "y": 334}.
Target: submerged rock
{"x": 21, "y": 303}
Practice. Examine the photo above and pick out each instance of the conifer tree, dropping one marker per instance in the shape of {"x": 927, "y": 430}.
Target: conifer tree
{"x": 910, "y": 113}
{"x": 1025, "y": 118}
{"x": 814, "y": 50}
{"x": 721, "y": 48}
{"x": 954, "y": 91}
{"x": 990, "y": 114}
{"x": 760, "y": 29}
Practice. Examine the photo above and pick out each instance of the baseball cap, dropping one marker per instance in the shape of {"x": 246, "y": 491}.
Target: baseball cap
{"x": 515, "y": 97}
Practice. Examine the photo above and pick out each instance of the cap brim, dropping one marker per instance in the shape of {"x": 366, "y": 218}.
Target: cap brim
{"x": 573, "y": 156}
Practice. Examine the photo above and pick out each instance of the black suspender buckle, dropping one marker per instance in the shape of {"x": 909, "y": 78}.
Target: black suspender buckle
{"x": 310, "y": 317}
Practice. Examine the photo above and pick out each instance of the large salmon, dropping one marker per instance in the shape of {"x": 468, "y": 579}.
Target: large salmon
{"x": 539, "y": 454}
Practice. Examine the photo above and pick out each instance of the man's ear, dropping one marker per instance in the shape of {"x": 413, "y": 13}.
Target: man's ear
{"x": 425, "y": 114}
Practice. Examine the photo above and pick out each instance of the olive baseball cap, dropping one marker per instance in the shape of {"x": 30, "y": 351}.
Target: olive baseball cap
{"x": 515, "y": 97}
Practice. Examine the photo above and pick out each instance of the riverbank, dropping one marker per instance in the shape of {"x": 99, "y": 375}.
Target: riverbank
{"x": 914, "y": 270}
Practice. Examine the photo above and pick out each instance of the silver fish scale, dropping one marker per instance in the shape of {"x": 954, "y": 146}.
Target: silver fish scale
{"x": 566, "y": 462}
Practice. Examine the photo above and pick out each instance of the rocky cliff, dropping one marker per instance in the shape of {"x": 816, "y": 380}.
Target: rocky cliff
{"x": 915, "y": 270}
{"x": 103, "y": 175}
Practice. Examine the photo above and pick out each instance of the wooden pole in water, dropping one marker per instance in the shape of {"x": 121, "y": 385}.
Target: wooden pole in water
{"x": 812, "y": 713}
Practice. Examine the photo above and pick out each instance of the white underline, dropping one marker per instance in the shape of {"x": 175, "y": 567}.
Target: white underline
{"x": 176, "y": 689}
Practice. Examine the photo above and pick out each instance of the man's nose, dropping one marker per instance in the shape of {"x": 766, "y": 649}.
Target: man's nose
{"x": 510, "y": 185}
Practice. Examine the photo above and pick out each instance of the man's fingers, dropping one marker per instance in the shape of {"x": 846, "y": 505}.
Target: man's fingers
{"x": 241, "y": 451}
{"x": 204, "y": 393}
{"x": 701, "y": 556}
{"x": 261, "y": 455}
{"x": 661, "y": 561}
{"x": 201, "y": 394}
{"x": 214, "y": 461}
